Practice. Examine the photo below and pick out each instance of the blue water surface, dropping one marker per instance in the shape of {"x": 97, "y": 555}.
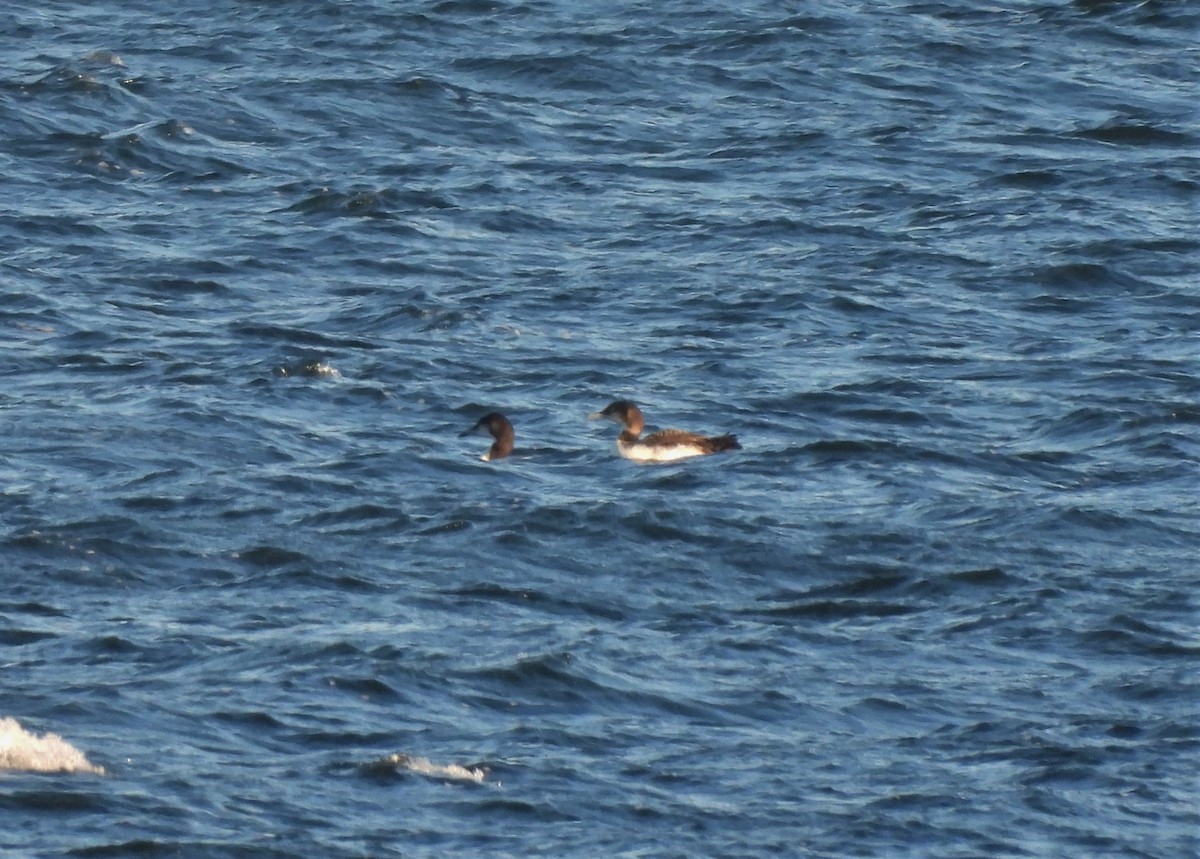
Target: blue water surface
{"x": 936, "y": 264}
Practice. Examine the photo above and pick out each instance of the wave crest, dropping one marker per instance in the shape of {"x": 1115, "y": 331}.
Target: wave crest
{"x": 423, "y": 766}
{"x": 21, "y": 750}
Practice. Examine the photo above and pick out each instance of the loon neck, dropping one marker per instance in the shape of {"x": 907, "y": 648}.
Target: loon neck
{"x": 634, "y": 423}
{"x": 503, "y": 445}
{"x": 629, "y": 435}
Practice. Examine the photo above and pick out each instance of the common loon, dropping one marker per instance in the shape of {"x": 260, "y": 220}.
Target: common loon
{"x": 500, "y": 429}
{"x": 662, "y": 446}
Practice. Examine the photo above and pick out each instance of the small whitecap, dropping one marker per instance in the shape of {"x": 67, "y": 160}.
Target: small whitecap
{"x": 107, "y": 57}
{"x": 424, "y": 766}
{"x": 23, "y": 751}
{"x": 309, "y": 369}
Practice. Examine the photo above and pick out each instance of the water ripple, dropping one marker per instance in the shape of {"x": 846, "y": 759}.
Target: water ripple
{"x": 934, "y": 263}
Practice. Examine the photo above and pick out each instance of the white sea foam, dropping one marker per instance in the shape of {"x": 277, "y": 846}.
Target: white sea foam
{"x": 21, "y": 750}
{"x": 429, "y": 768}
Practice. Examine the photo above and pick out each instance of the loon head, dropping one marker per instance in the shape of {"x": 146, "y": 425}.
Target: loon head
{"x": 499, "y": 428}
{"x": 622, "y": 412}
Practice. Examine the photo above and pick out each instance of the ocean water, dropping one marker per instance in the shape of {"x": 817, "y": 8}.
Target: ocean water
{"x": 935, "y": 263}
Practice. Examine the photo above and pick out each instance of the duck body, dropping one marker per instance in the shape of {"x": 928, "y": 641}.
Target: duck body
{"x": 666, "y": 445}
{"x": 499, "y": 428}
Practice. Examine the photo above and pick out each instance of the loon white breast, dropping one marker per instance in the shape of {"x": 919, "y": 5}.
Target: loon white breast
{"x": 662, "y": 446}
{"x": 499, "y": 427}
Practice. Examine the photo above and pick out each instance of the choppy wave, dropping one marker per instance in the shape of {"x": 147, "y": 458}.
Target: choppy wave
{"x": 935, "y": 264}
{"x": 23, "y": 751}
{"x": 423, "y": 766}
